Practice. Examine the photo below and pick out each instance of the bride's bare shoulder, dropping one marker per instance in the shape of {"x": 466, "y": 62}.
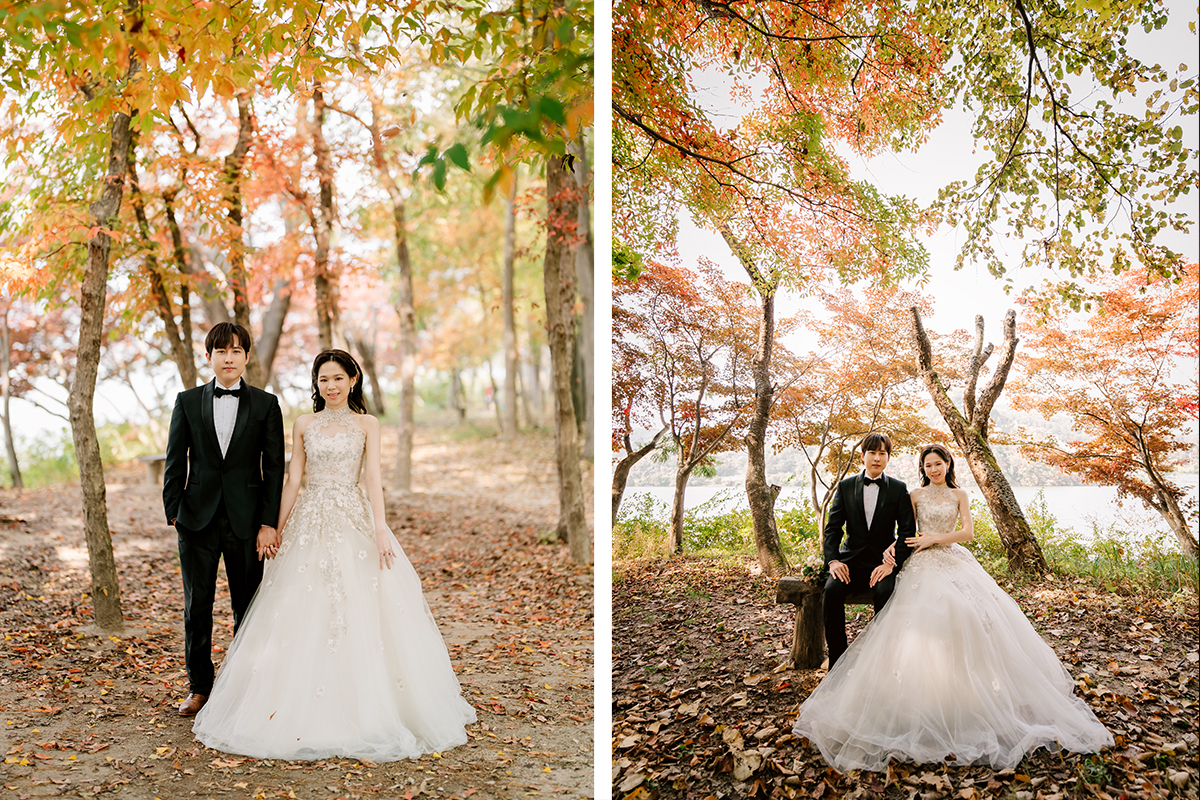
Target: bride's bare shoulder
{"x": 368, "y": 422}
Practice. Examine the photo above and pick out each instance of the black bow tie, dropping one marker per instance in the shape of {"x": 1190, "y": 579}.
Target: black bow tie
{"x": 868, "y": 481}
{"x": 221, "y": 392}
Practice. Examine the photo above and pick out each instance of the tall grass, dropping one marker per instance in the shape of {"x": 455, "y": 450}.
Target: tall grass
{"x": 1111, "y": 558}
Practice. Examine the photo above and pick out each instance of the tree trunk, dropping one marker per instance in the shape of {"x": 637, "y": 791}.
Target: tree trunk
{"x": 272, "y": 324}
{"x": 1167, "y": 505}
{"x": 181, "y": 350}
{"x": 587, "y": 297}
{"x": 496, "y": 399}
{"x": 366, "y": 354}
{"x": 537, "y": 394}
{"x": 509, "y": 426}
{"x": 523, "y": 393}
{"x": 682, "y": 473}
{"x": 324, "y": 281}
{"x": 970, "y": 433}
{"x": 232, "y": 176}
{"x": 759, "y": 493}
{"x": 14, "y": 467}
{"x": 621, "y": 473}
{"x": 106, "y": 592}
{"x": 179, "y": 254}
{"x": 558, "y": 276}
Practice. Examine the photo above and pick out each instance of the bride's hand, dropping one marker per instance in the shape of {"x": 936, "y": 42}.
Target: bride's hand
{"x": 387, "y": 553}
{"x": 919, "y": 543}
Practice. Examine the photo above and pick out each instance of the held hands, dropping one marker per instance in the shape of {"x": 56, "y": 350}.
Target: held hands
{"x": 268, "y": 542}
{"x": 387, "y": 553}
{"x": 889, "y": 555}
{"x": 840, "y": 571}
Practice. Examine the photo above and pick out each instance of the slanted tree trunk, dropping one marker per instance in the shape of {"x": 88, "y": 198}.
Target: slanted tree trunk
{"x": 1164, "y": 501}
{"x": 587, "y": 297}
{"x": 632, "y": 457}
{"x": 232, "y": 177}
{"x": 324, "y": 281}
{"x": 970, "y": 431}
{"x": 366, "y": 355}
{"x": 106, "y": 592}
{"x": 14, "y": 467}
{"x": 558, "y": 279}
{"x": 181, "y": 350}
{"x": 759, "y": 493}
{"x": 508, "y": 428}
{"x": 496, "y": 399}
{"x": 272, "y": 324}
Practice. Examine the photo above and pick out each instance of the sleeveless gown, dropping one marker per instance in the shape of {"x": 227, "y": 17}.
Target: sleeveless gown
{"x": 949, "y": 666}
{"x": 335, "y": 656}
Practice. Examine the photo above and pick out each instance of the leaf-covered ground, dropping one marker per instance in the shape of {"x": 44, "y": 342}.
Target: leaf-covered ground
{"x": 701, "y": 708}
{"x": 83, "y": 715}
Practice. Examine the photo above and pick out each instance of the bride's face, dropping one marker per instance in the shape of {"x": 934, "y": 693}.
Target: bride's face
{"x": 935, "y": 468}
{"x": 334, "y": 384}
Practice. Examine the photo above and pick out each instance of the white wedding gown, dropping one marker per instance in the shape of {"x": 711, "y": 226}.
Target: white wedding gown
{"x": 335, "y": 656}
{"x": 949, "y": 666}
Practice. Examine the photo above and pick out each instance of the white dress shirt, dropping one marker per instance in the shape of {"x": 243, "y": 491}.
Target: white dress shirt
{"x": 870, "y": 498}
{"x": 225, "y": 415}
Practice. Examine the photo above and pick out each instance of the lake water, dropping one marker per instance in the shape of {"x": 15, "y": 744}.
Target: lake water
{"x": 1077, "y": 507}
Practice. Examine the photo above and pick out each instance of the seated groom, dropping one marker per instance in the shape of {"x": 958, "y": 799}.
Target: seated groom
{"x": 871, "y": 509}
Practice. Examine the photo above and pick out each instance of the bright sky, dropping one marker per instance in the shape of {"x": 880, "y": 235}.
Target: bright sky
{"x": 947, "y": 156}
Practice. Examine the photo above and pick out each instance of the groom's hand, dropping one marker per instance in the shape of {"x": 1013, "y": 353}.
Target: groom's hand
{"x": 879, "y": 573}
{"x": 889, "y": 555}
{"x": 268, "y": 542}
{"x": 840, "y": 571}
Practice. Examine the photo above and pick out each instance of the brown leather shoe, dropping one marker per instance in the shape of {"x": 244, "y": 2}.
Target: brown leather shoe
{"x": 192, "y": 705}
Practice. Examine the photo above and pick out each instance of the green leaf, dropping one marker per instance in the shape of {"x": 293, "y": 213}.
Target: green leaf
{"x": 439, "y": 174}
{"x": 458, "y": 154}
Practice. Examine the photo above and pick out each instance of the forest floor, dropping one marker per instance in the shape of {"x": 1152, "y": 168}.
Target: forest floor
{"x": 702, "y": 709}
{"x": 87, "y": 715}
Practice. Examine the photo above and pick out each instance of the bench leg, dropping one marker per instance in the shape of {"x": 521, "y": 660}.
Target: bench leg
{"x": 808, "y": 640}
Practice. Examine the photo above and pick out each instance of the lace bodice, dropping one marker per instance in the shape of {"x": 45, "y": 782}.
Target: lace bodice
{"x": 937, "y": 510}
{"x": 333, "y": 447}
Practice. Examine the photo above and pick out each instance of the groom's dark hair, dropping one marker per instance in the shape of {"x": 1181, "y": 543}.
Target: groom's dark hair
{"x": 223, "y": 335}
{"x": 876, "y": 441}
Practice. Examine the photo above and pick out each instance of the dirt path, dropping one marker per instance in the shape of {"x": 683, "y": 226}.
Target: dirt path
{"x": 85, "y": 715}
{"x": 701, "y": 712}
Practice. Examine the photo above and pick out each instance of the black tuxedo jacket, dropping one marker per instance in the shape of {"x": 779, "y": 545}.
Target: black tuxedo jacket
{"x": 893, "y": 518}
{"x": 249, "y": 479}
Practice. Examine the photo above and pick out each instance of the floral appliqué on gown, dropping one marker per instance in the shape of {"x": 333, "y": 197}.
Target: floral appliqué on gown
{"x": 335, "y": 656}
{"x": 950, "y": 666}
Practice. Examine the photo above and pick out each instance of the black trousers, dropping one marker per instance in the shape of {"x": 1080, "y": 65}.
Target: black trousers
{"x": 199, "y": 553}
{"x": 834, "y": 601}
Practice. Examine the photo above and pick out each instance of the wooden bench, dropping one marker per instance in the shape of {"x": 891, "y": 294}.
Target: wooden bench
{"x": 808, "y": 640}
{"x": 154, "y": 466}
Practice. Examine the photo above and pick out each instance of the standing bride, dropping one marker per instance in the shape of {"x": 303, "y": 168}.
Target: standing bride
{"x": 950, "y": 668}
{"x": 338, "y": 654}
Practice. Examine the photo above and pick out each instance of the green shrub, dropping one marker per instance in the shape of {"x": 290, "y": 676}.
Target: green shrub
{"x": 640, "y": 531}
{"x": 46, "y": 460}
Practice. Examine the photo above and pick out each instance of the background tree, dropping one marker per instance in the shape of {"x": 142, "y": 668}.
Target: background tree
{"x": 970, "y": 430}
{"x": 1126, "y": 376}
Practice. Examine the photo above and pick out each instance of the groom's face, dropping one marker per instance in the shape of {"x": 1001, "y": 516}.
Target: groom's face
{"x": 875, "y": 462}
{"x": 228, "y": 362}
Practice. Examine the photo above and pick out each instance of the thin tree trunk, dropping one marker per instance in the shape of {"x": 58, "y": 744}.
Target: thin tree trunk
{"x": 324, "y": 281}
{"x": 232, "y": 176}
{"x": 523, "y": 392}
{"x": 537, "y": 393}
{"x": 14, "y": 467}
{"x": 106, "y": 592}
{"x": 621, "y": 472}
{"x": 496, "y": 399}
{"x": 970, "y": 433}
{"x": 366, "y": 353}
{"x": 682, "y": 473}
{"x": 759, "y": 493}
{"x": 1167, "y": 506}
{"x": 181, "y": 350}
{"x": 558, "y": 275}
{"x": 509, "y": 423}
{"x": 587, "y": 296}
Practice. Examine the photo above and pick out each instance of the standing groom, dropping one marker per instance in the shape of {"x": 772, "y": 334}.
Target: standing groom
{"x": 872, "y": 508}
{"x": 221, "y": 488}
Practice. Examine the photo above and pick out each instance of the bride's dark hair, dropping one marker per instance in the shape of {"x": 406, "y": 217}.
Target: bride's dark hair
{"x": 945, "y": 456}
{"x": 347, "y": 363}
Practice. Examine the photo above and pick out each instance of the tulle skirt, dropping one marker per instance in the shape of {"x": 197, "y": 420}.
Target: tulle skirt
{"x": 335, "y": 657}
{"x": 950, "y": 666}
